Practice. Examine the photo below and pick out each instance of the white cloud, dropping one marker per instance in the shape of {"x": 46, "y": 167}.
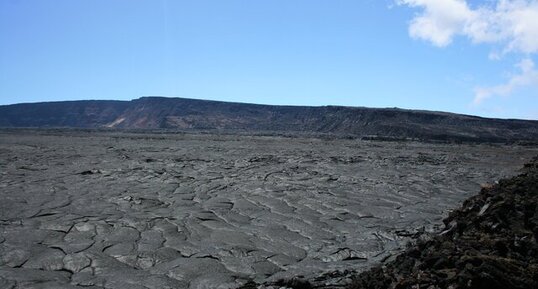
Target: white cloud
{"x": 511, "y": 26}
{"x": 528, "y": 76}
{"x": 510, "y": 23}
{"x": 440, "y": 20}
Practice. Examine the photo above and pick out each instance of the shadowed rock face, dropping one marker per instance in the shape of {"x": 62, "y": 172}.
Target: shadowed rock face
{"x": 190, "y": 114}
{"x": 122, "y": 210}
{"x": 83, "y": 114}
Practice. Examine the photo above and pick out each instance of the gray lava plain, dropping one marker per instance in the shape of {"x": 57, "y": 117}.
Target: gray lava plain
{"x": 126, "y": 210}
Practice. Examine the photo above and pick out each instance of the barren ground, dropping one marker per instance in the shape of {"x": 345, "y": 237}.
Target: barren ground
{"x": 124, "y": 210}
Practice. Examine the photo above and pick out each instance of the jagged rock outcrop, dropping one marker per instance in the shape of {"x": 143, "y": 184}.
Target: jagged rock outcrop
{"x": 491, "y": 242}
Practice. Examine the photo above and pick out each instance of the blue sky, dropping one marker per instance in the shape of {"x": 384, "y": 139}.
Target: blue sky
{"x": 404, "y": 53}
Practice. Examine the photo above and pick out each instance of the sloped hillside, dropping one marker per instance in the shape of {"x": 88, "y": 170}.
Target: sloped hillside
{"x": 191, "y": 114}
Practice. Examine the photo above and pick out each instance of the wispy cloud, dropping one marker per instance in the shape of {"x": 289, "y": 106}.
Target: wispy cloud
{"x": 440, "y": 20}
{"x": 511, "y": 26}
{"x": 528, "y": 76}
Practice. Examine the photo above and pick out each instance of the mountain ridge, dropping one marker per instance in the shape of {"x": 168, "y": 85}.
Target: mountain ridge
{"x": 155, "y": 112}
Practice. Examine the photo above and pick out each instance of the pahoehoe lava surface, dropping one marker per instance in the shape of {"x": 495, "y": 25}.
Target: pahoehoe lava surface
{"x": 490, "y": 243}
{"x": 122, "y": 210}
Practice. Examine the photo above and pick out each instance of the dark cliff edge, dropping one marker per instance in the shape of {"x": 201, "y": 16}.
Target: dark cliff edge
{"x": 159, "y": 113}
{"x": 80, "y": 114}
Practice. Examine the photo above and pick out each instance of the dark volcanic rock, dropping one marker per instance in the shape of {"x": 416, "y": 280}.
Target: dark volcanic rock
{"x": 491, "y": 242}
{"x": 191, "y": 114}
{"x": 83, "y": 114}
{"x": 109, "y": 209}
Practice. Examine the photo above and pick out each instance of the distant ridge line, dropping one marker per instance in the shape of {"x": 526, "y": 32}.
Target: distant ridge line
{"x": 156, "y": 112}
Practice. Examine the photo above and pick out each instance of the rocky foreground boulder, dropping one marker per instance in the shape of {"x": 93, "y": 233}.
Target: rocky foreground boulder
{"x": 491, "y": 242}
